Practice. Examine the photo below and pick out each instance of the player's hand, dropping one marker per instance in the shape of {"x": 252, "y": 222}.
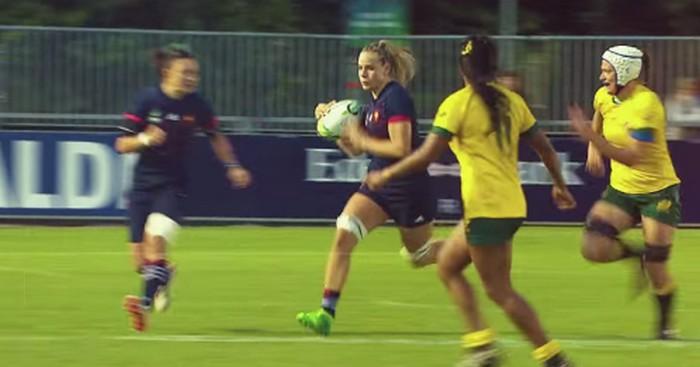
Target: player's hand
{"x": 563, "y": 198}
{"x": 354, "y": 136}
{"x": 156, "y": 136}
{"x": 323, "y": 108}
{"x": 594, "y": 162}
{"x": 239, "y": 177}
{"x": 580, "y": 124}
{"x": 376, "y": 179}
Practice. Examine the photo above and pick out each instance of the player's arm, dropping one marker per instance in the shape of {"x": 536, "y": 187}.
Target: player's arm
{"x": 223, "y": 149}
{"x": 445, "y": 126}
{"x": 537, "y": 139}
{"x": 594, "y": 160}
{"x": 136, "y": 142}
{"x": 629, "y": 156}
{"x": 432, "y": 148}
{"x": 597, "y": 124}
{"x": 138, "y": 134}
{"x": 130, "y": 144}
{"x": 397, "y": 146}
{"x": 539, "y": 142}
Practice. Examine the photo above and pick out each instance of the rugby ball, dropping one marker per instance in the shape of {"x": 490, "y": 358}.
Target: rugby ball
{"x": 332, "y": 123}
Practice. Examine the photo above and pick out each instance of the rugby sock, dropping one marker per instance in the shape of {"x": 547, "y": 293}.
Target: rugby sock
{"x": 478, "y": 339}
{"x": 548, "y": 353}
{"x": 664, "y": 297}
{"x": 155, "y": 274}
{"x": 330, "y": 300}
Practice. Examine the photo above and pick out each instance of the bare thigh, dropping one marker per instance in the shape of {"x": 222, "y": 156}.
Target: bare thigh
{"x": 612, "y": 215}
{"x": 366, "y": 210}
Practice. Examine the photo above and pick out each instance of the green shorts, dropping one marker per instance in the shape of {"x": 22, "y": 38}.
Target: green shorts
{"x": 663, "y": 205}
{"x": 491, "y": 231}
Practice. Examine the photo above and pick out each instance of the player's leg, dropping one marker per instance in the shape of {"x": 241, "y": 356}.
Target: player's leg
{"x": 136, "y": 249}
{"x": 140, "y": 204}
{"x": 162, "y": 227}
{"x": 658, "y": 238}
{"x": 478, "y": 342}
{"x": 490, "y": 244}
{"x": 604, "y": 223}
{"x": 609, "y": 217}
{"x": 360, "y": 215}
{"x": 659, "y": 219}
{"x": 139, "y": 209}
{"x": 414, "y": 212}
{"x": 420, "y": 249}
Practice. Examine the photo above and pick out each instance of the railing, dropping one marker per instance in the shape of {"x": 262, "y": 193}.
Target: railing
{"x": 70, "y": 77}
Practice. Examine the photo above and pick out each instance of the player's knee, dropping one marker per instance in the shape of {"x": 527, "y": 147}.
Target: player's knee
{"x": 500, "y": 295}
{"x": 597, "y": 240}
{"x": 592, "y": 251}
{"x": 596, "y": 227}
{"x": 656, "y": 253}
{"x": 451, "y": 261}
{"x": 352, "y": 224}
{"x": 160, "y": 225}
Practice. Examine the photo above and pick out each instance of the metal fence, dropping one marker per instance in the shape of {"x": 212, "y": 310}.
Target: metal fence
{"x": 270, "y": 82}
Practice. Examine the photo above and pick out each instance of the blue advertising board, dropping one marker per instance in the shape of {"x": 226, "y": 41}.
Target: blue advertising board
{"x": 63, "y": 174}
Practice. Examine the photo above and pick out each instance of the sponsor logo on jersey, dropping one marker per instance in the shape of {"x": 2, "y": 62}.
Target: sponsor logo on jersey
{"x": 155, "y": 116}
{"x": 172, "y": 117}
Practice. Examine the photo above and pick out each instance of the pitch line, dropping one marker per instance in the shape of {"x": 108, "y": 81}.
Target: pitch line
{"x": 571, "y": 342}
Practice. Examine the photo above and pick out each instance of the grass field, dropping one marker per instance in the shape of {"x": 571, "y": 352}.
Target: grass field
{"x": 238, "y": 289}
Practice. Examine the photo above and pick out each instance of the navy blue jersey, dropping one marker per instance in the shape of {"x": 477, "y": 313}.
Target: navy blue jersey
{"x": 393, "y": 105}
{"x": 164, "y": 165}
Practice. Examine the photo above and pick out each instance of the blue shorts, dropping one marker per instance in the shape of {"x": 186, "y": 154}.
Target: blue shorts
{"x": 164, "y": 200}
{"x": 409, "y": 203}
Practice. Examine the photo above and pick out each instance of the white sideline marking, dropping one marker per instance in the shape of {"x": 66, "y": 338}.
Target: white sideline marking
{"x": 517, "y": 342}
{"x": 282, "y": 340}
{"x": 234, "y": 253}
{"x": 414, "y": 305}
{"x": 34, "y": 272}
{"x": 570, "y": 343}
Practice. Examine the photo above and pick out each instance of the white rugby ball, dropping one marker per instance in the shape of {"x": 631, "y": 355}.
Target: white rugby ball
{"x": 331, "y": 124}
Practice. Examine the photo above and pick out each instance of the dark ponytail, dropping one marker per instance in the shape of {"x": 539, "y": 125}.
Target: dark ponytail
{"x": 478, "y": 62}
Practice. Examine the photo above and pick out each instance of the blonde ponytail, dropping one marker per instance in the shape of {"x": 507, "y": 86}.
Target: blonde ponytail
{"x": 401, "y": 61}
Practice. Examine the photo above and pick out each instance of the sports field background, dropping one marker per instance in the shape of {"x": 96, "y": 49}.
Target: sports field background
{"x": 238, "y": 289}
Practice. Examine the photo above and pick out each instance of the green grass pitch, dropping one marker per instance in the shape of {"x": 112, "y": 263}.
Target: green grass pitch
{"x": 238, "y": 289}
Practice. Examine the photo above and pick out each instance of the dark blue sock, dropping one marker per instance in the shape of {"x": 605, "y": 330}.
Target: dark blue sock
{"x": 155, "y": 274}
{"x": 330, "y": 300}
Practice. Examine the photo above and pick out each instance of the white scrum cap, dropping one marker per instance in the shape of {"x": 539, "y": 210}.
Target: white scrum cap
{"x": 627, "y": 62}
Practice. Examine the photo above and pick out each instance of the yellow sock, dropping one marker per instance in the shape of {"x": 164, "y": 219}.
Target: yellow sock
{"x": 478, "y": 338}
{"x": 667, "y": 289}
{"x": 546, "y": 351}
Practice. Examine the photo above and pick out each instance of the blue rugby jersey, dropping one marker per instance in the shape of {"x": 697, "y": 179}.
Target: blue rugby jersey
{"x": 392, "y": 105}
{"x": 165, "y": 164}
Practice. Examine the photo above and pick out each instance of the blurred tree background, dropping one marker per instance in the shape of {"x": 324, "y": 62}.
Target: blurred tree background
{"x": 619, "y": 17}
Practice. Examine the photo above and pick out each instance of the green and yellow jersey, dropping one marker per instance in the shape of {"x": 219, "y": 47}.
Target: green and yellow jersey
{"x": 641, "y": 117}
{"x": 490, "y": 179}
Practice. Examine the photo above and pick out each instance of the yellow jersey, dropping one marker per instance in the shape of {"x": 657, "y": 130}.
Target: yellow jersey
{"x": 640, "y": 116}
{"x": 490, "y": 178}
